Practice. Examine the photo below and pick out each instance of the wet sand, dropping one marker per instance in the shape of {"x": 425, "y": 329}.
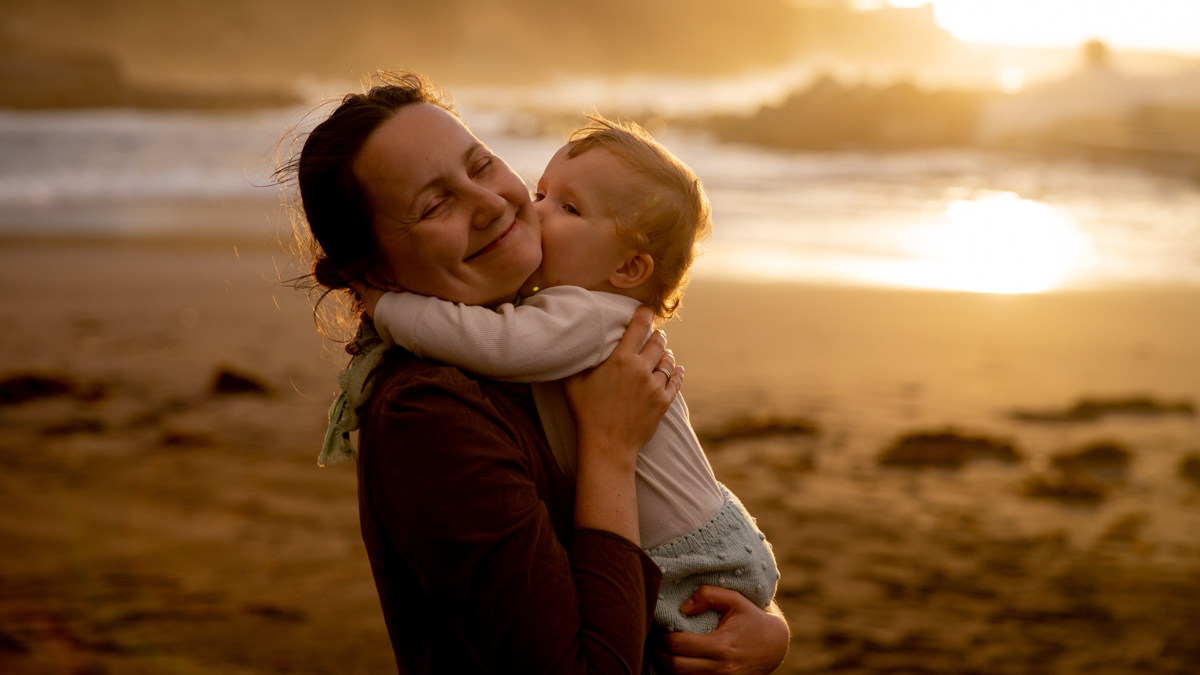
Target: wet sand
{"x": 152, "y": 525}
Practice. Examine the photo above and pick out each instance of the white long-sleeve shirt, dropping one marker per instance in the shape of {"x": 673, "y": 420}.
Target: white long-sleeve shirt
{"x": 555, "y": 333}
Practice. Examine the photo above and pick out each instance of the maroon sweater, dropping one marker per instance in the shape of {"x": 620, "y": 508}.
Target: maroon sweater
{"x": 467, "y": 521}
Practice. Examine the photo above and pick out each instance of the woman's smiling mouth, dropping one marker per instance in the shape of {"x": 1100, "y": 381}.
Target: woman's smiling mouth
{"x": 494, "y": 243}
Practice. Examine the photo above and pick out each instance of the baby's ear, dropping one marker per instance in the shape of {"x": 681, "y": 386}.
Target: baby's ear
{"x": 635, "y": 271}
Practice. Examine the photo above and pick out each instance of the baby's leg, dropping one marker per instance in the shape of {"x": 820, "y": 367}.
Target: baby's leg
{"x": 727, "y": 551}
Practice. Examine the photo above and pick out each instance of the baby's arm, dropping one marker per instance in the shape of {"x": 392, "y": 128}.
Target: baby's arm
{"x": 556, "y": 333}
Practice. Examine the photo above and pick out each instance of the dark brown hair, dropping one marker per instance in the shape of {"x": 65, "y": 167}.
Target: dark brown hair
{"x": 335, "y": 208}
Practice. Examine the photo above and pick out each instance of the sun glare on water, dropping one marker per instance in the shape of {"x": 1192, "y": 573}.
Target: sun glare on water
{"x": 997, "y": 244}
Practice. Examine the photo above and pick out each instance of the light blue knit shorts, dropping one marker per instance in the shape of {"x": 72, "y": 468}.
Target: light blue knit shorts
{"x": 727, "y": 551}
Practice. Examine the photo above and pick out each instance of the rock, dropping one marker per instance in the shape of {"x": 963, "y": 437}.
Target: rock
{"x": 946, "y": 449}
{"x": 1102, "y": 460}
{"x": 747, "y": 428}
{"x": 230, "y": 381}
{"x": 1189, "y": 468}
{"x": 829, "y": 115}
{"x": 1066, "y": 487}
{"x": 1092, "y": 409}
{"x": 27, "y": 387}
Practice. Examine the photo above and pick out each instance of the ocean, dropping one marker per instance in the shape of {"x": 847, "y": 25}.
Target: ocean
{"x": 952, "y": 219}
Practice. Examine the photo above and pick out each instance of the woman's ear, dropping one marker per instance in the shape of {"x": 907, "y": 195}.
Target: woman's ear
{"x": 381, "y": 282}
{"x": 635, "y": 271}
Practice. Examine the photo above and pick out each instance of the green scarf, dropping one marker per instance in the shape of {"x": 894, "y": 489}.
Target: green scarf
{"x": 357, "y": 387}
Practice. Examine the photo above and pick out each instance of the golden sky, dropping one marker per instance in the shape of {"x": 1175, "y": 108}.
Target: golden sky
{"x": 1154, "y": 25}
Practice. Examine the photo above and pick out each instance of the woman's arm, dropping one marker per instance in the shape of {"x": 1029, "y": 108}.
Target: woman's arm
{"x": 617, "y": 408}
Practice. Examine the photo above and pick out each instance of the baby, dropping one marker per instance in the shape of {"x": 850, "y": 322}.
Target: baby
{"x": 620, "y": 218}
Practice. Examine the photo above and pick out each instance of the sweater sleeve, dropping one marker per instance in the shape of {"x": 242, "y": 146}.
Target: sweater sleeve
{"x": 455, "y": 495}
{"x": 553, "y": 334}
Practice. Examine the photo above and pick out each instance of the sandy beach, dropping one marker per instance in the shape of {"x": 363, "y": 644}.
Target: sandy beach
{"x": 153, "y": 523}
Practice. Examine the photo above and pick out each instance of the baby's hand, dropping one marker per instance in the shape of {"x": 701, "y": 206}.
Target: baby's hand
{"x": 368, "y": 295}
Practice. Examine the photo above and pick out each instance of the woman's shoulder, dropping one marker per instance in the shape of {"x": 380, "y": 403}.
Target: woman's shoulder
{"x": 402, "y": 373}
{"x": 409, "y": 384}
{"x": 430, "y": 419}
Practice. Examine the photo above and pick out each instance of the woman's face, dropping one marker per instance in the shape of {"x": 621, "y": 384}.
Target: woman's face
{"x": 452, "y": 220}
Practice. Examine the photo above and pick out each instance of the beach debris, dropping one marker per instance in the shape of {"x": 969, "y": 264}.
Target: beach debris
{"x": 1106, "y": 461}
{"x": 30, "y": 386}
{"x": 1125, "y": 530}
{"x": 276, "y": 612}
{"x": 1075, "y": 488}
{"x": 1092, "y": 409}
{"x": 1082, "y": 476}
{"x": 1189, "y": 468}
{"x": 187, "y": 438}
{"x": 946, "y": 449}
{"x": 77, "y": 425}
{"x": 749, "y": 428}
{"x": 230, "y": 381}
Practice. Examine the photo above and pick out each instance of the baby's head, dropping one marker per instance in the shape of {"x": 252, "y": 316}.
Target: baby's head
{"x": 621, "y": 214}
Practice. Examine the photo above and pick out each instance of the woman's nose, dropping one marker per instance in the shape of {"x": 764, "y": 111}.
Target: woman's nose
{"x": 489, "y": 206}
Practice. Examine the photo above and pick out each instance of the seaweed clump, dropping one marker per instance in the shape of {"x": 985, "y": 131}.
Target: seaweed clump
{"x": 1189, "y": 468}
{"x": 230, "y": 381}
{"x": 1083, "y": 476}
{"x": 946, "y": 449}
{"x": 750, "y": 428}
{"x": 30, "y": 386}
{"x": 1107, "y": 461}
{"x": 1066, "y": 487}
{"x": 1092, "y": 409}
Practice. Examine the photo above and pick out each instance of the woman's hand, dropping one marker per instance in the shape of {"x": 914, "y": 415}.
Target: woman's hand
{"x": 621, "y": 401}
{"x": 748, "y": 639}
{"x": 617, "y": 406}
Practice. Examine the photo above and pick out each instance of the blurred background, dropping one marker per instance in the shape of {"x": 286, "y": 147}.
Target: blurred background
{"x": 942, "y": 341}
{"x": 1080, "y": 121}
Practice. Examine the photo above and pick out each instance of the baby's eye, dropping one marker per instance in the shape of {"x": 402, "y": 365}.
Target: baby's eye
{"x": 570, "y": 208}
{"x": 539, "y": 196}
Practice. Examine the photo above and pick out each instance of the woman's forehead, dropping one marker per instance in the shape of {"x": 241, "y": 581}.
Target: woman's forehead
{"x": 420, "y": 144}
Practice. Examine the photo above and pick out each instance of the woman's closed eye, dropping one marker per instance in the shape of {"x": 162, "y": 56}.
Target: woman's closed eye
{"x": 434, "y": 208}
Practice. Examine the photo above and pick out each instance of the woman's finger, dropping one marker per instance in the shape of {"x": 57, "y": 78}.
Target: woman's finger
{"x": 666, "y": 366}
{"x": 674, "y": 384}
{"x": 707, "y": 646}
{"x": 713, "y": 597}
{"x": 635, "y": 335}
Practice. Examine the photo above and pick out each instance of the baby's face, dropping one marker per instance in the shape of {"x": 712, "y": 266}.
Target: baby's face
{"x": 578, "y": 201}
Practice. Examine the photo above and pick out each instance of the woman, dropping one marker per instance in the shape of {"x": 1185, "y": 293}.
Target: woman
{"x": 485, "y": 557}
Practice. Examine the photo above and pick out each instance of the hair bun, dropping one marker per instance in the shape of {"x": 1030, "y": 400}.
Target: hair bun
{"x": 329, "y": 274}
